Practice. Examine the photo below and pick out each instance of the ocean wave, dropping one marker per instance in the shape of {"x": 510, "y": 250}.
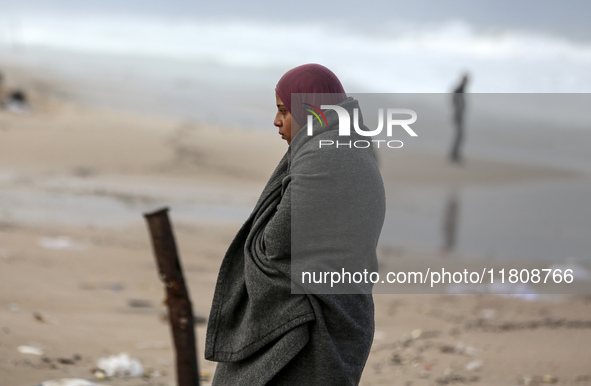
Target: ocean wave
{"x": 399, "y": 57}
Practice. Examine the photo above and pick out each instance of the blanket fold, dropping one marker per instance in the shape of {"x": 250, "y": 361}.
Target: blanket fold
{"x": 242, "y": 319}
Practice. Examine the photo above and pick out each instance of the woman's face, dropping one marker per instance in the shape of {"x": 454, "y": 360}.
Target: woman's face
{"x": 283, "y": 120}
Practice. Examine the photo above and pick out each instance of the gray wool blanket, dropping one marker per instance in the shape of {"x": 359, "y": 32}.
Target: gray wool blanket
{"x": 259, "y": 331}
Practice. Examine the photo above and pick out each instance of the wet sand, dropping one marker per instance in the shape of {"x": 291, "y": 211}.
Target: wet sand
{"x": 78, "y": 279}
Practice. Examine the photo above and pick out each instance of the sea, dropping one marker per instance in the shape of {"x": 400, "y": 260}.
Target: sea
{"x": 194, "y": 59}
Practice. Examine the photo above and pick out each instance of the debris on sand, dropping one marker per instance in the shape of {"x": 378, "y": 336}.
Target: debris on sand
{"x": 121, "y": 365}
{"x": 69, "y": 382}
{"x": 32, "y": 350}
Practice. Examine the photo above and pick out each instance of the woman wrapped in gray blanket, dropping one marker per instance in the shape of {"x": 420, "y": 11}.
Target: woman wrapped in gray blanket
{"x": 275, "y": 320}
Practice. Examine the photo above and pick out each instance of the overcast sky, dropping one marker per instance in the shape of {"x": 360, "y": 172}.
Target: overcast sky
{"x": 564, "y": 17}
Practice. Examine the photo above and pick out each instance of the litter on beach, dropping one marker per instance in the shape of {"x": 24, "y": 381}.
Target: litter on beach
{"x": 69, "y": 382}
{"x": 121, "y": 365}
{"x": 60, "y": 242}
{"x": 32, "y": 350}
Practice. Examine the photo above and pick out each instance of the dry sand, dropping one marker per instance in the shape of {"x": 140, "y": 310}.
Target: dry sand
{"x": 100, "y": 295}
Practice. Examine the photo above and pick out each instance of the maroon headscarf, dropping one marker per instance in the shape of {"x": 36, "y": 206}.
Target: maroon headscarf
{"x": 309, "y": 79}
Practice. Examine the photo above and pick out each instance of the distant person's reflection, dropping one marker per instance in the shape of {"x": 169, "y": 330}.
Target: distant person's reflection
{"x": 459, "y": 104}
{"x": 450, "y": 222}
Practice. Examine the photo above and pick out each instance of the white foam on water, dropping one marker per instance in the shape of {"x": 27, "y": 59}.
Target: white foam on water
{"x": 396, "y": 57}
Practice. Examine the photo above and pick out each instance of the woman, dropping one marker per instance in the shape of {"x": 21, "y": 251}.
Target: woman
{"x": 322, "y": 210}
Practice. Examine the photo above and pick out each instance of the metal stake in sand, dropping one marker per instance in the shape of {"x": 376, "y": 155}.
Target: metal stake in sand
{"x": 177, "y": 297}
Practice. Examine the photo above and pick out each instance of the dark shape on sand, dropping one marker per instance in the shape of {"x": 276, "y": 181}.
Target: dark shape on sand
{"x": 450, "y": 222}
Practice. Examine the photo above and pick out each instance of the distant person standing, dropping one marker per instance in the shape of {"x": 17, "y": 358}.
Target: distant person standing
{"x": 459, "y": 104}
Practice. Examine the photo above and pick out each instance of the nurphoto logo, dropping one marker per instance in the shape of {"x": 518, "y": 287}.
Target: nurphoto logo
{"x": 393, "y": 119}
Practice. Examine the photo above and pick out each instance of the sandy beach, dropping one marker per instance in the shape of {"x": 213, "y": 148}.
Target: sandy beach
{"x": 78, "y": 279}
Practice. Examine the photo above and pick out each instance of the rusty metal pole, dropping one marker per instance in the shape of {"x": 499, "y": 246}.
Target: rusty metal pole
{"x": 177, "y": 297}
